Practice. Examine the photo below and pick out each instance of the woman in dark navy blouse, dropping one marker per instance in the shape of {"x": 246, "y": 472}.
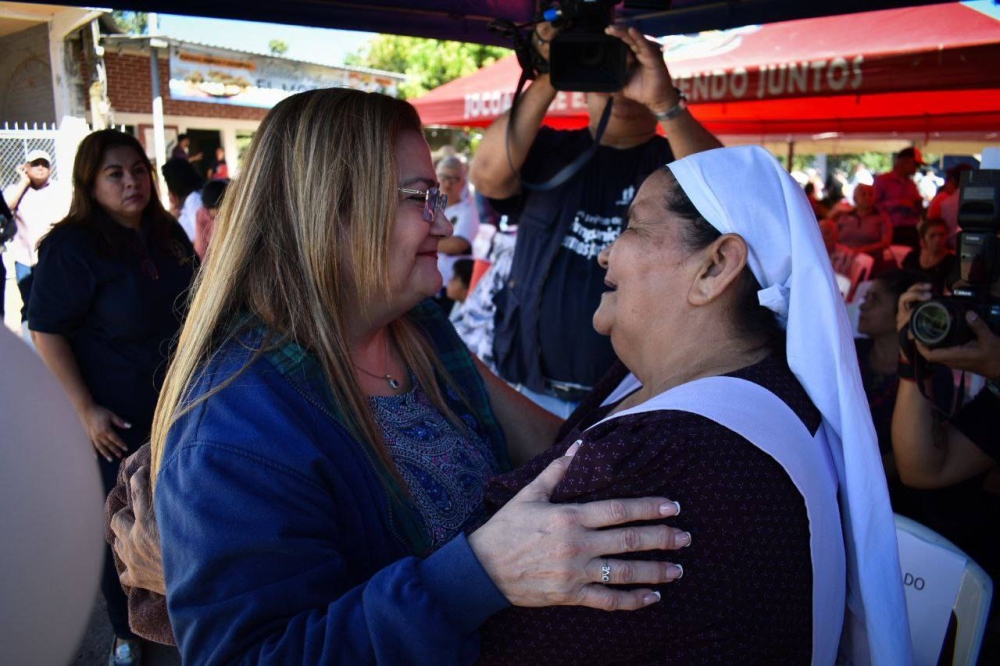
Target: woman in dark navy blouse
{"x": 111, "y": 281}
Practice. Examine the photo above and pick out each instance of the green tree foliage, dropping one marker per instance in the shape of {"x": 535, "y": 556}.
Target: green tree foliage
{"x": 133, "y": 23}
{"x": 277, "y": 47}
{"x": 876, "y": 162}
{"x": 428, "y": 63}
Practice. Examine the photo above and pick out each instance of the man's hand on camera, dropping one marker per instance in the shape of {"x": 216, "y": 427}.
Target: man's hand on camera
{"x": 650, "y": 83}
{"x": 980, "y": 356}
{"x": 908, "y": 302}
{"x": 541, "y": 39}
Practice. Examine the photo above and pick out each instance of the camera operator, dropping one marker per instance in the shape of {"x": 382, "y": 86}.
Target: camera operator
{"x": 555, "y": 283}
{"x": 935, "y": 454}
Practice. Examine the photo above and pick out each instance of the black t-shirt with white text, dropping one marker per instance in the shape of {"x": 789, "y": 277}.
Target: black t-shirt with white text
{"x": 592, "y": 210}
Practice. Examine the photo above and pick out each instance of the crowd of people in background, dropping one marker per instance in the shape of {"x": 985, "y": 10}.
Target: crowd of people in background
{"x": 889, "y": 219}
{"x": 104, "y": 272}
{"x": 884, "y": 217}
{"x": 906, "y": 237}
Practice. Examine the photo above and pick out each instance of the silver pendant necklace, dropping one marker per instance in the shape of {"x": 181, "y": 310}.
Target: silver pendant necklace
{"x": 389, "y": 379}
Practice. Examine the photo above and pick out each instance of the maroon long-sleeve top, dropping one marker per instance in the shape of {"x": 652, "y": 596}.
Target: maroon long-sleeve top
{"x": 746, "y": 594}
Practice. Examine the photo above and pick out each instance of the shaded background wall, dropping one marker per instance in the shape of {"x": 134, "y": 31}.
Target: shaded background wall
{"x": 26, "y": 94}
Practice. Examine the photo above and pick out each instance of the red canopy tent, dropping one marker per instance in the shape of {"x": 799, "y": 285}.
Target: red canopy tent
{"x": 917, "y": 70}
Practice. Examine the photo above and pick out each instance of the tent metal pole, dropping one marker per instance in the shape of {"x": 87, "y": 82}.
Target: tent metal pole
{"x": 159, "y": 134}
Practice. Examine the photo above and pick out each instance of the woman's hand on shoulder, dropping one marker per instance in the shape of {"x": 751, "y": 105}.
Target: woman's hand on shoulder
{"x": 100, "y": 424}
{"x": 543, "y": 554}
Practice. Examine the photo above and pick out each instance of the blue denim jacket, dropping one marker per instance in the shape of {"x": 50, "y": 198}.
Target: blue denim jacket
{"x": 281, "y": 543}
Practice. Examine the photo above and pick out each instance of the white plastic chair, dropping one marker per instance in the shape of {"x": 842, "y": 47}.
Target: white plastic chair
{"x": 941, "y": 580}
{"x": 861, "y": 268}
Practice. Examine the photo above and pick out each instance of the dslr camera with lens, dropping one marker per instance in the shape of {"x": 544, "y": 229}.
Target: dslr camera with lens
{"x": 940, "y": 322}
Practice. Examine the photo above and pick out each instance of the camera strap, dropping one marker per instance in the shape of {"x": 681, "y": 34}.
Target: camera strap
{"x": 919, "y": 370}
{"x": 570, "y": 169}
{"x": 532, "y": 64}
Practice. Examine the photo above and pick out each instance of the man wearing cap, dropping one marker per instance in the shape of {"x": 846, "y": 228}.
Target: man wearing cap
{"x": 897, "y": 195}
{"x": 37, "y": 203}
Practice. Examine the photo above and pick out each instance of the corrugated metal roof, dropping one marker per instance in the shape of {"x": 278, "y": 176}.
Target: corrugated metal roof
{"x": 133, "y": 39}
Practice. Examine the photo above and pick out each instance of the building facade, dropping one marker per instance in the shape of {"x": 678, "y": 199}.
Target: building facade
{"x": 69, "y": 67}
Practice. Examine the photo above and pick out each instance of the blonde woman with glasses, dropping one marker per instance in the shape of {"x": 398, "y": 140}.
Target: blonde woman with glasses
{"x": 323, "y": 438}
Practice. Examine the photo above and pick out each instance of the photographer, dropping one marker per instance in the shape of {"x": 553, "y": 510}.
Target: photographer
{"x": 935, "y": 454}
{"x": 555, "y": 283}
{"x": 955, "y": 457}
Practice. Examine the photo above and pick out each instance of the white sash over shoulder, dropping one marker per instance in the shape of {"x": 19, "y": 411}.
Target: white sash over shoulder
{"x": 768, "y": 423}
{"x": 787, "y": 256}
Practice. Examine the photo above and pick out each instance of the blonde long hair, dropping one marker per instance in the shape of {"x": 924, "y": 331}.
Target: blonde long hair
{"x": 305, "y": 226}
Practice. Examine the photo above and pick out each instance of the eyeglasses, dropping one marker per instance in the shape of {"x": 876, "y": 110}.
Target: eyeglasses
{"x": 444, "y": 177}
{"x": 434, "y": 201}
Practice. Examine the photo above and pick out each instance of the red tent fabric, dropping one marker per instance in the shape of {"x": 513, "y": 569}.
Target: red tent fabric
{"x": 922, "y": 69}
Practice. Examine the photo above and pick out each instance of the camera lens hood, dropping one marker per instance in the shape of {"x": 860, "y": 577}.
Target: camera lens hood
{"x": 932, "y": 323}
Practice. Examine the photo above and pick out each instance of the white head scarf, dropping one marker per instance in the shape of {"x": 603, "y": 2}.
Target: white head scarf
{"x": 745, "y": 191}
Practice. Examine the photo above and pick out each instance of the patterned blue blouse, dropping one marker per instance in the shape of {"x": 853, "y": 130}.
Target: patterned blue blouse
{"x": 445, "y": 469}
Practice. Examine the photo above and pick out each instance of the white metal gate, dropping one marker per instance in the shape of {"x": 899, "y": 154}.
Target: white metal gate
{"x": 16, "y": 141}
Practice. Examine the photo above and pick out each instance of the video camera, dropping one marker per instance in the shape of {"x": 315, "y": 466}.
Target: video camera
{"x": 940, "y": 322}
{"x": 581, "y": 57}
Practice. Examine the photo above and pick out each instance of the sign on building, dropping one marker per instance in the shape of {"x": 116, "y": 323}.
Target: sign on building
{"x": 218, "y": 76}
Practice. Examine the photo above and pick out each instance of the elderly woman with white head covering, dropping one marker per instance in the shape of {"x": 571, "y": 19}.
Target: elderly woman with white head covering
{"x": 738, "y": 390}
